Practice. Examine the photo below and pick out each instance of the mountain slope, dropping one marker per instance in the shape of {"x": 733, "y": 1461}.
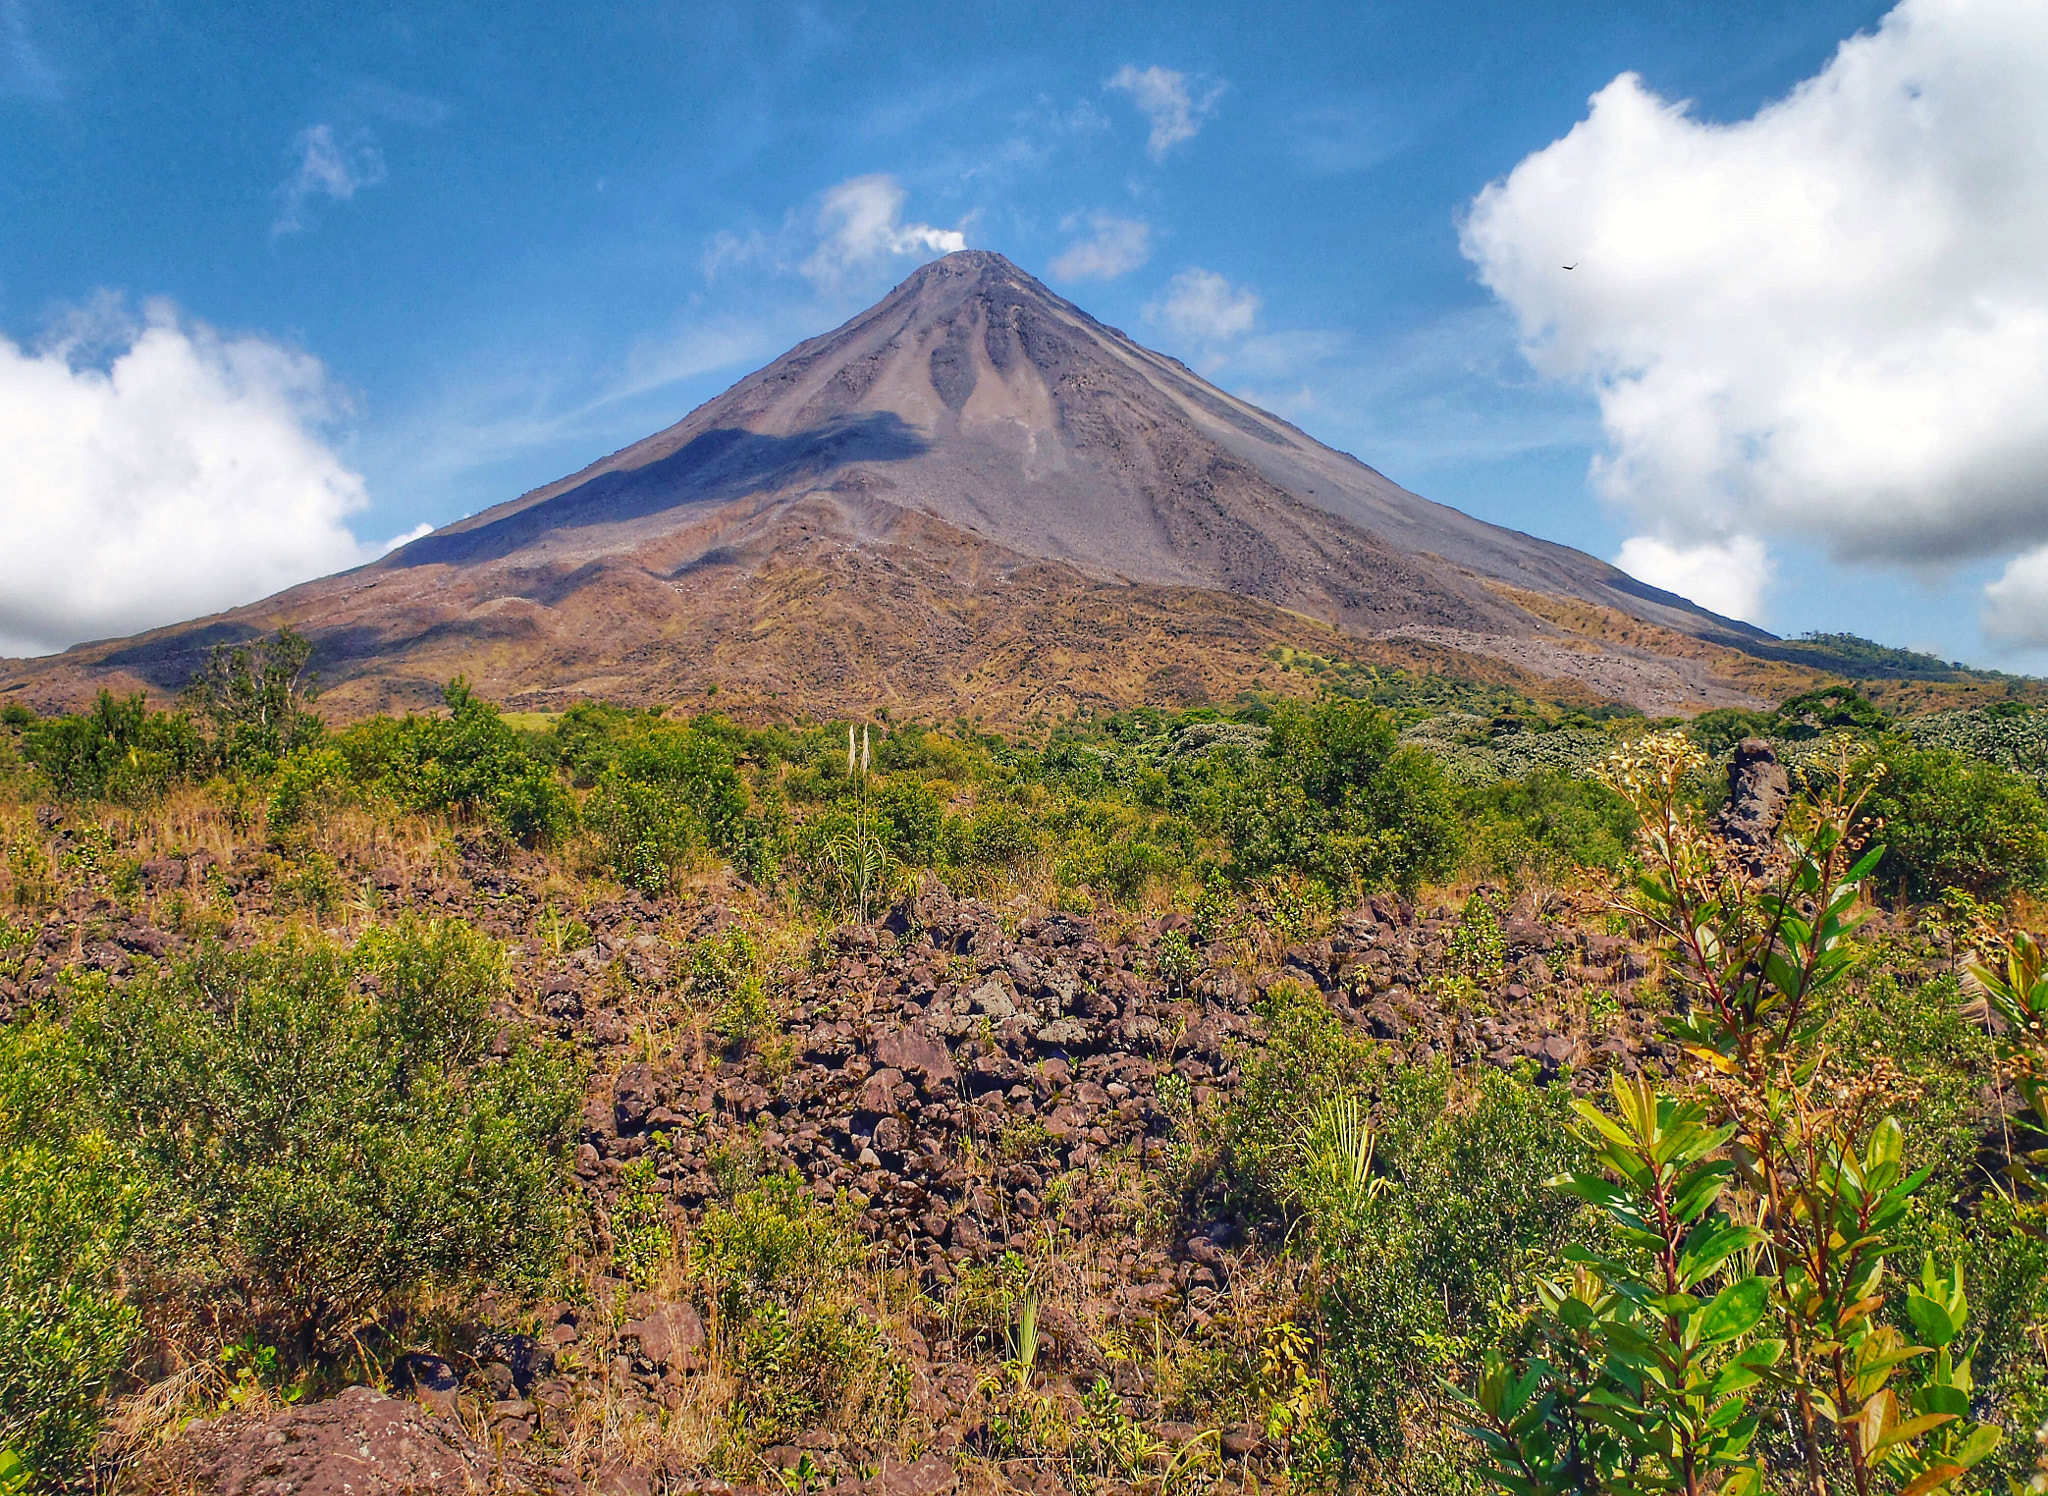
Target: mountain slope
{"x": 973, "y": 458}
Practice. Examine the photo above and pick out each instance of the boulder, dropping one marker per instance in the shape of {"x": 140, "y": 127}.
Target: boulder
{"x": 672, "y": 1335}
{"x": 361, "y": 1443}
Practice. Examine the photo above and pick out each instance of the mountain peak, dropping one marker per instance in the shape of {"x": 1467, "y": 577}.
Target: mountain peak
{"x": 970, "y": 428}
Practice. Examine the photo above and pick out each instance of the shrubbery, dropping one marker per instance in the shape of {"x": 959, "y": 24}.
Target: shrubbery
{"x": 778, "y": 1263}
{"x": 1419, "y": 1195}
{"x": 1954, "y": 822}
{"x": 320, "y": 1143}
{"x": 120, "y": 751}
{"x": 1333, "y": 795}
{"x": 69, "y": 1201}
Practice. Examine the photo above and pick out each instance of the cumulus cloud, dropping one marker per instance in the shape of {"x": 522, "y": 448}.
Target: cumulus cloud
{"x": 1114, "y": 247}
{"x": 1175, "y": 105}
{"x": 332, "y": 165}
{"x": 1204, "y": 307}
{"x": 860, "y": 223}
{"x": 1828, "y": 320}
{"x": 153, "y": 470}
{"x": 1728, "y": 578}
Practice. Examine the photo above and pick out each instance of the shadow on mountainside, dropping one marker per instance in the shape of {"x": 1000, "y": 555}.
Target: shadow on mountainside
{"x": 722, "y": 464}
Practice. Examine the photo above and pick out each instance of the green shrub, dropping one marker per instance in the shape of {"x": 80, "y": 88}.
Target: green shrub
{"x": 778, "y": 1262}
{"x": 1308, "y": 1056}
{"x": 1950, "y": 821}
{"x": 434, "y": 981}
{"x": 468, "y": 763}
{"x": 1547, "y": 824}
{"x": 911, "y": 820}
{"x": 319, "y": 1150}
{"x": 642, "y": 1244}
{"x": 308, "y": 782}
{"x": 120, "y": 751}
{"x": 69, "y": 1200}
{"x": 728, "y": 976}
{"x": 1722, "y": 728}
{"x": 995, "y": 841}
{"x": 1477, "y": 949}
{"x": 1334, "y": 796}
{"x": 774, "y": 1242}
{"x": 646, "y": 831}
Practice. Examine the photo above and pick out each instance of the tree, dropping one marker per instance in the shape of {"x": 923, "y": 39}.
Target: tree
{"x": 258, "y": 697}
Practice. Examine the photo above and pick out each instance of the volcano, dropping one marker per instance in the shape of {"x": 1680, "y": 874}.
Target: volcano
{"x": 971, "y": 498}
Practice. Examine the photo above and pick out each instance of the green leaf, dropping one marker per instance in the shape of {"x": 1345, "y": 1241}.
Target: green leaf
{"x": 1734, "y": 1311}
{"x": 1931, "y": 1320}
{"x": 1709, "y": 1247}
{"x": 1978, "y": 1445}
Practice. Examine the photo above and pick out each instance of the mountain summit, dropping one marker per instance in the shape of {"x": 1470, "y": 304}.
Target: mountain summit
{"x": 972, "y": 495}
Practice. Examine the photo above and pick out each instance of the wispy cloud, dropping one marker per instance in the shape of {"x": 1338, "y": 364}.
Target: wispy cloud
{"x": 1114, "y": 246}
{"x": 1174, "y": 104}
{"x": 853, "y": 230}
{"x": 24, "y": 71}
{"x": 1205, "y": 307}
{"x": 1336, "y": 139}
{"x": 332, "y": 165}
{"x": 398, "y": 105}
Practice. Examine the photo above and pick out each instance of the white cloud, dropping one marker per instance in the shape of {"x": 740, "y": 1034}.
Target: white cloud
{"x": 2016, "y": 605}
{"x": 1114, "y": 247}
{"x": 331, "y": 165}
{"x": 1202, "y": 306}
{"x": 187, "y": 475}
{"x": 1728, "y": 578}
{"x": 860, "y": 222}
{"x": 1829, "y": 320}
{"x": 1175, "y": 105}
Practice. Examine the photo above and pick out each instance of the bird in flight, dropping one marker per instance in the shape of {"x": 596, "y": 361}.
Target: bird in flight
{"x": 1573, "y": 266}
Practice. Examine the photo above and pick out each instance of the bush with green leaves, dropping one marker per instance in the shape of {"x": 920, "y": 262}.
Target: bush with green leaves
{"x": 468, "y": 763}
{"x": 989, "y": 844}
{"x": 1416, "y": 1193}
{"x": 120, "y": 751}
{"x": 729, "y": 978}
{"x": 778, "y": 1263}
{"x": 2010, "y": 734}
{"x": 646, "y": 831}
{"x": 309, "y": 782}
{"x": 1955, "y": 822}
{"x": 1753, "y": 1220}
{"x": 1550, "y": 824}
{"x": 643, "y": 1246}
{"x": 321, "y": 1145}
{"x": 69, "y": 1202}
{"x": 1335, "y": 796}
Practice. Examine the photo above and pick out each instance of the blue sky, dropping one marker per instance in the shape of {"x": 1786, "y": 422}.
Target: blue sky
{"x": 424, "y": 257}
